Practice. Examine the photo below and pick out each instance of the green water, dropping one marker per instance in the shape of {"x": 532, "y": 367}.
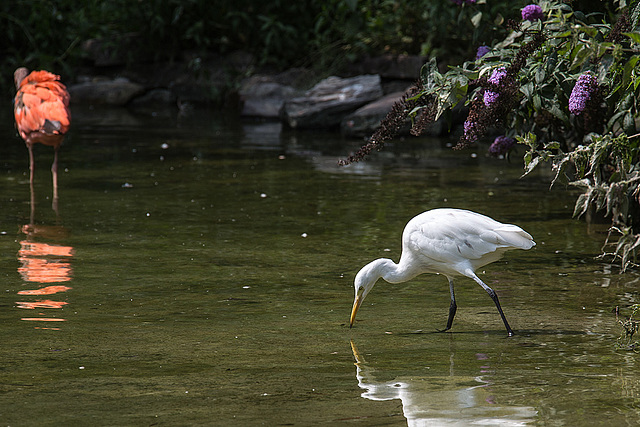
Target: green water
{"x": 208, "y": 267}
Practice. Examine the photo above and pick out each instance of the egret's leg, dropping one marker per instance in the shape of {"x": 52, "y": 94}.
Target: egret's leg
{"x": 494, "y": 297}
{"x": 452, "y": 307}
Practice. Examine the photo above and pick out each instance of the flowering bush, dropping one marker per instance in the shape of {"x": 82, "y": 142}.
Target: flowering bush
{"x": 501, "y": 145}
{"x": 582, "y": 92}
{"x": 532, "y": 12}
{"x": 567, "y": 85}
{"x": 482, "y": 51}
{"x": 490, "y": 96}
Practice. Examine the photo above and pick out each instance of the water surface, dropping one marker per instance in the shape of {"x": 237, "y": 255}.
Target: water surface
{"x": 199, "y": 271}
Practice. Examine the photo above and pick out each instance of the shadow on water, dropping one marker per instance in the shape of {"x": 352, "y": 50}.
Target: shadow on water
{"x": 199, "y": 270}
{"x": 520, "y": 332}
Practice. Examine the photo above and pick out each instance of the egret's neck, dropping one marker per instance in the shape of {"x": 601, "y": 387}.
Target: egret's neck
{"x": 388, "y": 270}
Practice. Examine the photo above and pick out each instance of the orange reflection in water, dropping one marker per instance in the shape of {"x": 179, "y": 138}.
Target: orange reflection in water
{"x": 41, "y": 262}
{"x": 41, "y": 304}
{"x": 45, "y": 291}
{"x": 44, "y": 263}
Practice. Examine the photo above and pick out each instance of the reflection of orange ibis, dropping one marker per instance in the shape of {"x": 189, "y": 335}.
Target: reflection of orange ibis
{"x": 41, "y": 304}
{"x": 41, "y": 262}
{"x": 41, "y": 110}
{"x": 47, "y": 290}
{"x": 44, "y": 262}
{"x": 46, "y": 232}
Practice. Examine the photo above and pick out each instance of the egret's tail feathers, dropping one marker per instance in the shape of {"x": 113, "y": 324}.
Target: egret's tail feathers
{"x": 514, "y": 236}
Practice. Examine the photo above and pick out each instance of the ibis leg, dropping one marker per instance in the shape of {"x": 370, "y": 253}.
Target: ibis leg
{"x": 494, "y": 297}
{"x": 54, "y": 173}
{"x": 31, "y": 163}
{"x": 33, "y": 196}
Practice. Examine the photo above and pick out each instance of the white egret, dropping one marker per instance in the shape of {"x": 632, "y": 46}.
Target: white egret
{"x": 452, "y": 242}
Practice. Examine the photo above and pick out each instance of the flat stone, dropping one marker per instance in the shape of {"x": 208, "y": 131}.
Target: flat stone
{"x": 154, "y": 98}
{"x": 104, "y": 92}
{"x": 261, "y": 96}
{"x": 326, "y": 104}
{"x": 365, "y": 120}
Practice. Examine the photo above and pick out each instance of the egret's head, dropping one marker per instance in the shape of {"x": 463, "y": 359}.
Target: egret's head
{"x": 364, "y": 281}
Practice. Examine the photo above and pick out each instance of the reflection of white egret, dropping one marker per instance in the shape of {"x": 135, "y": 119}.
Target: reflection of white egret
{"x": 441, "y": 400}
{"x": 452, "y": 242}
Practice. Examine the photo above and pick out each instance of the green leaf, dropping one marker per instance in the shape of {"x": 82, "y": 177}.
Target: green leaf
{"x": 628, "y": 123}
{"x": 582, "y": 204}
{"x": 537, "y": 102}
{"x": 430, "y": 75}
{"x": 540, "y": 75}
{"x": 633, "y": 36}
{"x": 615, "y": 118}
{"x": 555, "y": 110}
{"x": 531, "y": 165}
{"x": 527, "y": 90}
{"x": 629, "y": 67}
{"x": 580, "y": 55}
{"x": 553, "y": 145}
{"x": 476, "y": 19}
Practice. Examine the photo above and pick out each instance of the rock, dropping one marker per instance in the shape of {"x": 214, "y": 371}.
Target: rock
{"x": 157, "y": 102}
{"x": 261, "y": 96}
{"x": 154, "y": 98}
{"x": 324, "y": 105}
{"x": 105, "y": 92}
{"x": 365, "y": 120}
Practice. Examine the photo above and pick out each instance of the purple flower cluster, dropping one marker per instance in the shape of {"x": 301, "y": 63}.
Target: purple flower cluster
{"x": 586, "y": 85}
{"x": 502, "y": 84}
{"x": 532, "y": 13}
{"x": 469, "y": 126}
{"x": 482, "y": 51}
{"x": 501, "y": 145}
{"x": 490, "y": 96}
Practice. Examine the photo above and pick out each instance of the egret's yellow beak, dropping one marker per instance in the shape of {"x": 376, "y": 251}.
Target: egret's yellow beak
{"x": 356, "y": 306}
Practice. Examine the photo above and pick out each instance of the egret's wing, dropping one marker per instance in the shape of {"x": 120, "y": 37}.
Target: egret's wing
{"x": 511, "y": 236}
{"x": 455, "y": 235}
{"x": 449, "y": 245}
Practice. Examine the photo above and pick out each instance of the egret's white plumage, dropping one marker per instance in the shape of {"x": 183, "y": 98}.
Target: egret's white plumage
{"x": 452, "y": 242}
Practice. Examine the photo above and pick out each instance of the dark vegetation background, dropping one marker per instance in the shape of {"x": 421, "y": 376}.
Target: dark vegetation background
{"x": 93, "y": 37}
{"x": 322, "y": 35}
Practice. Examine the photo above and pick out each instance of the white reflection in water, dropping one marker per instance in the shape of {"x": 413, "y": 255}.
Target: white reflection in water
{"x": 441, "y": 401}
